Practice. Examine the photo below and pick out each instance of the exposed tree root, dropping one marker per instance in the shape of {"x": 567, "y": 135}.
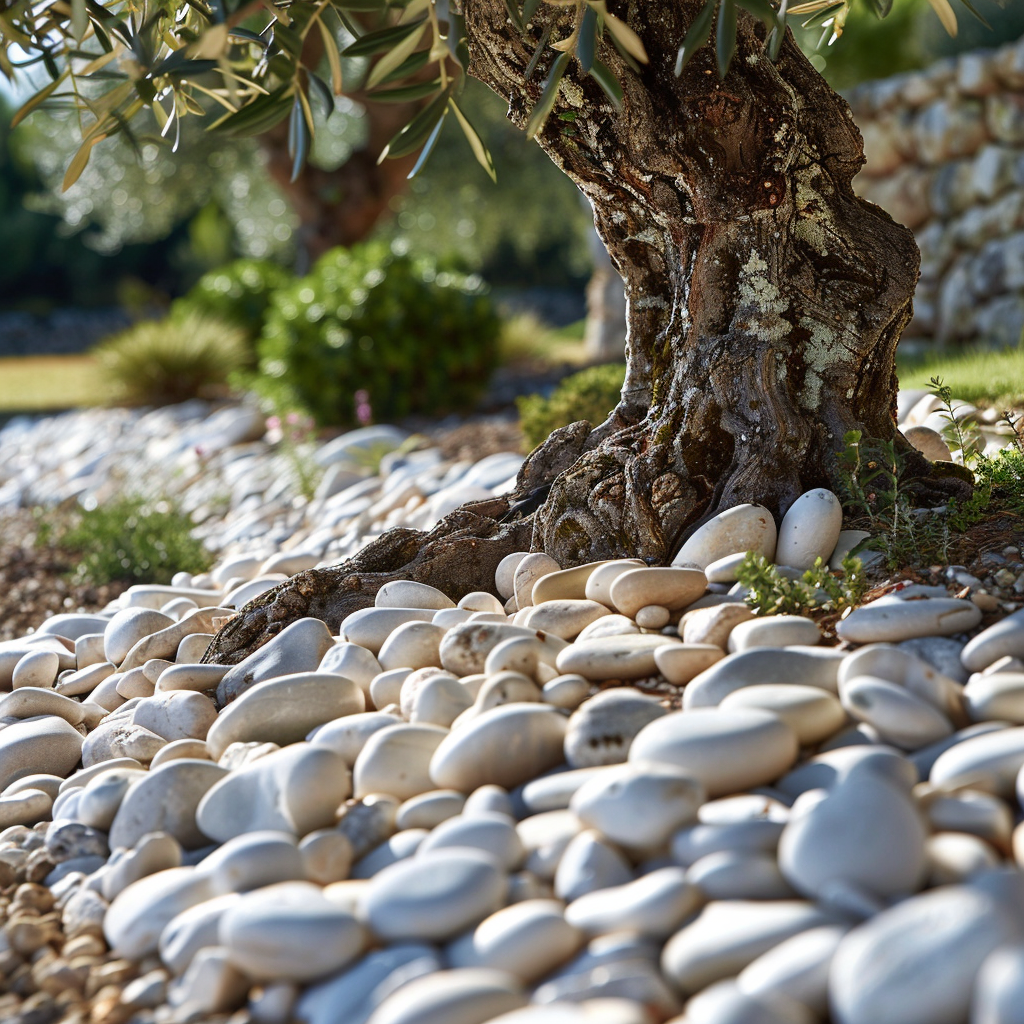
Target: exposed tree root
{"x": 458, "y": 556}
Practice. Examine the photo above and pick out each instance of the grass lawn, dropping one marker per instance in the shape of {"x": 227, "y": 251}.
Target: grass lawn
{"x": 39, "y": 383}
{"x": 980, "y": 377}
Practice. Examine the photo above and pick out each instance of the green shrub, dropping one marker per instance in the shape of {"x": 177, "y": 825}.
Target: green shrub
{"x": 159, "y": 362}
{"x": 238, "y": 293}
{"x": 588, "y": 395}
{"x": 132, "y": 539}
{"x": 366, "y": 319}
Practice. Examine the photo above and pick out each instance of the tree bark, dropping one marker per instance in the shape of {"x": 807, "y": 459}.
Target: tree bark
{"x": 764, "y": 299}
{"x": 342, "y": 206}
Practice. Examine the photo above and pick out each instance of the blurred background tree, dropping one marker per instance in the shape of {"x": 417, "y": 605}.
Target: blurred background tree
{"x": 139, "y": 227}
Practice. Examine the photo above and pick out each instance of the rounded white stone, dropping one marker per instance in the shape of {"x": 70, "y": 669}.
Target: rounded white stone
{"x": 740, "y": 528}
{"x": 507, "y": 687}
{"x": 905, "y": 668}
{"x": 588, "y": 863}
{"x": 528, "y": 571}
{"x": 894, "y": 619}
{"x": 725, "y": 1001}
{"x": 528, "y": 939}
{"x": 679, "y": 663}
{"x": 990, "y": 762}
{"x": 808, "y": 666}
{"x": 128, "y": 627}
{"x": 566, "y": 691}
{"x": 299, "y": 647}
{"x": 434, "y": 896}
{"x": 826, "y": 842}
{"x": 672, "y": 588}
{"x": 996, "y": 696}
{"x": 439, "y": 700}
{"x": 999, "y": 989}
{"x": 601, "y": 577}
{"x": 652, "y": 616}
{"x": 254, "y": 860}
{"x": 507, "y": 746}
{"x": 353, "y": 662}
{"x": 326, "y": 856}
{"x": 602, "y": 729}
{"x": 162, "y": 800}
{"x": 284, "y": 710}
{"x": 638, "y": 806}
{"x": 35, "y": 701}
{"x": 812, "y": 713}
{"x": 727, "y": 935}
{"x": 290, "y": 932}
{"x": 430, "y": 809}
{"x": 140, "y": 912}
{"x": 566, "y": 584}
{"x": 726, "y": 751}
{"x": 916, "y": 963}
{"x": 713, "y": 625}
{"x": 370, "y": 627}
{"x": 655, "y": 905}
{"x": 465, "y": 648}
{"x": 412, "y": 645}
{"x": 409, "y": 594}
{"x": 613, "y": 657}
{"x": 296, "y": 789}
{"x": 564, "y": 618}
{"x": 505, "y": 574}
{"x": 534, "y": 656}
{"x": 956, "y": 857}
{"x": 464, "y": 996}
{"x": 773, "y": 631}
{"x": 1005, "y": 637}
{"x": 796, "y": 968}
{"x": 809, "y": 529}
{"x": 900, "y": 717}
{"x": 347, "y": 736}
{"x": 47, "y": 744}
{"x": 489, "y": 831}
{"x": 481, "y": 601}
{"x": 36, "y": 669}
{"x": 736, "y": 875}
{"x": 386, "y": 688}
{"x": 397, "y": 760}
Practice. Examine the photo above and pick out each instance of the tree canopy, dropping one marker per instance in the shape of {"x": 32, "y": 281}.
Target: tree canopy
{"x": 247, "y": 65}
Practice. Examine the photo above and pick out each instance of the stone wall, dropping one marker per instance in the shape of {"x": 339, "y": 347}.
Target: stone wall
{"x": 945, "y": 151}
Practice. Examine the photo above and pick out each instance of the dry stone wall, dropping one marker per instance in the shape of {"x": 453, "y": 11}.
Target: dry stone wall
{"x": 945, "y": 155}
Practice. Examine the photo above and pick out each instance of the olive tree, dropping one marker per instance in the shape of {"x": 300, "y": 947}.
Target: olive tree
{"x": 764, "y": 299}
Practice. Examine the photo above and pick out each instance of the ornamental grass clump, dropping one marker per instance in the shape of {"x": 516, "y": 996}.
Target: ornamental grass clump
{"x": 160, "y": 362}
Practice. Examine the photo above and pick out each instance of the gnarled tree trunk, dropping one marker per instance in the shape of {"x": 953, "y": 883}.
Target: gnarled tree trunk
{"x": 765, "y": 301}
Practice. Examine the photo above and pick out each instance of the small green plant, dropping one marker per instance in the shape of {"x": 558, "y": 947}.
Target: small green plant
{"x": 134, "y": 539}
{"x": 237, "y": 293}
{"x": 160, "y": 362}
{"x": 372, "y": 328}
{"x": 772, "y": 593}
{"x": 904, "y": 535}
{"x": 589, "y": 395}
{"x": 871, "y": 472}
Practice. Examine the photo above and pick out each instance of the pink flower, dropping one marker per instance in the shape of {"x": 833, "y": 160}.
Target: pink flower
{"x": 273, "y": 423}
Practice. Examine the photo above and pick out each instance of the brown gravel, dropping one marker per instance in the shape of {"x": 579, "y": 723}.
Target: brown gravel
{"x": 33, "y": 583}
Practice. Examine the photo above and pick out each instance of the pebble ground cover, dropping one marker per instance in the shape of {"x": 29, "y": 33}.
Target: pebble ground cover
{"x": 608, "y": 794}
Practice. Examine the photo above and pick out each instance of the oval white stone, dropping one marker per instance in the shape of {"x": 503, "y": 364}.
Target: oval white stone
{"x": 726, "y": 751}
